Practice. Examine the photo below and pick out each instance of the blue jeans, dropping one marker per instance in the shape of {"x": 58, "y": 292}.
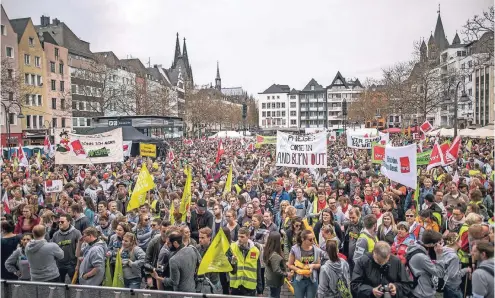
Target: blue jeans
{"x": 305, "y": 288}
{"x": 133, "y": 283}
{"x": 275, "y": 292}
{"x": 449, "y": 292}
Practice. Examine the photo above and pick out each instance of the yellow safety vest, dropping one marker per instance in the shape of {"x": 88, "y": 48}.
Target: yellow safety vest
{"x": 246, "y": 268}
{"x": 371, "y": 241}
{"x": 463, "y": 256}
{"x": 237, "y": 189}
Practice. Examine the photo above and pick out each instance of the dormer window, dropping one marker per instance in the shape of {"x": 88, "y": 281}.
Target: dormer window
{"x": 31, "y": 41}
{"x": 312, "y": 88}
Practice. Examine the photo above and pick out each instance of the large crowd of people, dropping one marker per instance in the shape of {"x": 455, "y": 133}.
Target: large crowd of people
{"x": 344, "y": 231}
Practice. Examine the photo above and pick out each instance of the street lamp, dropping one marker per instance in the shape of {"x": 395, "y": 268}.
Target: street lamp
{"x": 7, "y": 119}
{"x": 463, "y": 98}
{"x": 344, "y": 113}
{"x": 48, "y": 125}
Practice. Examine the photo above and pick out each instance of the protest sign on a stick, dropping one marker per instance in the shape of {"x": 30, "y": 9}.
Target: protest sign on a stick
{"x": 399, "y": 165}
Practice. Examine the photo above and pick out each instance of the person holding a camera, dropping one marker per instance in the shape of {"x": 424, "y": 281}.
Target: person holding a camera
{"x": 425, "y": 271}
{"x": 380, "y": 274}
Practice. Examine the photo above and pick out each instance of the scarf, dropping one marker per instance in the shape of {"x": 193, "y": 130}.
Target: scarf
{"x": 344, "y": 210}
{"x": 321, "y": 205}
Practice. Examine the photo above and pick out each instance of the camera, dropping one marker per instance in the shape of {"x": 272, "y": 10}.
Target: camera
{"x": 386, "y": 291}
{"x": 148, "y": 268}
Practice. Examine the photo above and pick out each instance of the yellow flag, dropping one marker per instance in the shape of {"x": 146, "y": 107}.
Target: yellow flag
{"x": 171, "y": 213}
{"x": 469, "y": 145}
{"x": 228, "y": 183}
{"x": 38, "y": 160}
{"x": 185, "y": 203}
{"x": 107, "y": 280}
{"x": 118, "y": 276}
{"x": 215, "y": 258}
{"x": 143, "y": 184}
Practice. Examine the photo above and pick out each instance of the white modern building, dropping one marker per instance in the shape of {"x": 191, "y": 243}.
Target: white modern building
{"x": 273, "y": 107}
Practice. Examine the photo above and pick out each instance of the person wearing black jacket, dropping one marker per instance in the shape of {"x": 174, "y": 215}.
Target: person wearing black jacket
{"x": 375, "y": 270}
{"x": 200, "y": 218}
{"x": 326, "y": 219}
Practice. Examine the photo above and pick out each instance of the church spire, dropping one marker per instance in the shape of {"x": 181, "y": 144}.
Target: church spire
{"x": 186, "y": 58}
{"x": 439, "y": 35}
{"x": 218, "y": 80}
{"x": 456, "y": 40}
{"x": 177, "y": 51}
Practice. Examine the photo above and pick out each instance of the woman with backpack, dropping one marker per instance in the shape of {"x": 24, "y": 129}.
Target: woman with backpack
{"x": 275, "y": 270}
{"x": 132, "y": 261}
{"x": 335, "y": 280}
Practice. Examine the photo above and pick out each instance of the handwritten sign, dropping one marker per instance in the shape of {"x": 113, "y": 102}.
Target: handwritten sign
{"x": 302, "y": 151}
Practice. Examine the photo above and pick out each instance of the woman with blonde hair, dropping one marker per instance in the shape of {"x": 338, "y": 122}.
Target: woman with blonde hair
{"x": 387, "y": 230}
{"x": 454, "y": 273}
{"x": 133, "y": 258}
{"x": 280, "y": 217}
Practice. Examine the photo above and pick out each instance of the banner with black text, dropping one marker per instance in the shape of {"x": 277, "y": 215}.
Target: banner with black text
{"x": 302, "y": 151}
{"x": 360, "y": 142}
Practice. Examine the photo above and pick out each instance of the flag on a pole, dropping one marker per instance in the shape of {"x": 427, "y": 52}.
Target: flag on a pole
{"x": 143, "y": 184}
{"x": 118, "y": 275}
{"x": 171, "y": 211}
{"x": 426, "y": 127}
{"x": 453, "y": 152}
{"x": 47, "y": 146}
{"x": 171, "y": 155}
{"x": 185, "y": 202}
{"x": 469, "y": 145}
{"x": 215, "y": 258}
{"x": 436, "y": 157}
{"x": 228, "y": 183}
{"x": 22, "y": 157}
{"x": 38, "y": 160}
{"x": 416, "y": 199}
{"x": 220, "y": 151}
{"x": 250, "y": 147}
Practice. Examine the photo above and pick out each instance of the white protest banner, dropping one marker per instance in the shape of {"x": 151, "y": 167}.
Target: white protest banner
{"x": 302, "y": 151}
{"x": 104, "y": 147}
{"x": 332, "y": 136}
{"x": 54, "y": 186}
{"x": 359, "y": 142}
{"x": 399, "y": 165}
{"x": 126, "y": 145}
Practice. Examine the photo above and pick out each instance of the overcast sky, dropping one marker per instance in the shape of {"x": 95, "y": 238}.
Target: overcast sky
{"x": 258, "y": 42}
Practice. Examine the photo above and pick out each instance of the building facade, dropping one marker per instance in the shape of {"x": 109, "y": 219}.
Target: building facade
{"x": 313, "y": 106}
{"x": 35, "y": 106}
{"x": 273, "y": 107}
{"x": 339, "y": 90}
{"x": 11, "y": 126}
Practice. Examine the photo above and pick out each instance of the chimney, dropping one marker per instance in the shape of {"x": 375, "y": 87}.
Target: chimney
{"x": 56, "y": 22}
{"x": 45, "y": 21}
{"x": 158, "y": 66}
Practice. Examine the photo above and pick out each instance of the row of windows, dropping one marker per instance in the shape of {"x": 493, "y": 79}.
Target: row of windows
{"x": 274, "y": 105}
{"x": 63, "y": 105}
{"x": 272, "y": 97}
{"x": 53, "y": 67}
{"x": 34, "y": 121}
{"x": 273, "y": 114}
{"x": 34, "y": 100}
{"x": 81, "y": 122}
{"x": 27, "y": 60}
{"x": 86, "y": 75}
{"x": 53, "y": 86}
{"x": 277, "y": 122}
{"x": 32, "y": 79}
{"x": 86, "y": 90}
{"x": 80, "y": 105}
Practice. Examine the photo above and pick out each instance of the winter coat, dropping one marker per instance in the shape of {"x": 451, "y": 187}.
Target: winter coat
{"x": 400, "y": 245}
{"x": 330, "y": 273}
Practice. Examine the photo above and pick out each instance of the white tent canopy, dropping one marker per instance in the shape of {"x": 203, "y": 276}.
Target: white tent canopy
{"x": 483, "y": 132}
{"x": 230, "y": 134}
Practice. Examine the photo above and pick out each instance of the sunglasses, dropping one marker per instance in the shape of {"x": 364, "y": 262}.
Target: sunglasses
{"x": 297, "y": 226}
{"x": 61, "y": 221}
{"x": 311, "y": 239}
{"x": 146, "y": 219}
{"x": 153, "y": 225}
{"x": 409, "y": 215}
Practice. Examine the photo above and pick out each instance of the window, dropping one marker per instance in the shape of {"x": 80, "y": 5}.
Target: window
{"x": 292, "y": 97}
{"x": 283, "y": 113}
{"x": 312, "y": 87}
{"x": 61, "y": 68}
{"x": 82, "y": 106}
{"x": 278, "y": 96}
{"x": 28, "y": 121}
{"x": 4, "y": 31}
{"x": 54, "y": 85}
{"x": 88, "y": 121}
{"x": 40, "y": 100}
{"x": 263, "y": 105}
{"x": 27, "y": 59}
{"x": 293, "y": 105}
{"x": 39, "y": 81}
{"x": 56, "y": 53}
{"x": 62, "y": 86}
{"x": 37, "y": 61}
{"x": 54, "y": 103}
{"x": 268, "y": 114}
{"x": 470, "y": 92}
{"x": 26, "y": 79}
{"x": 74, "y": 88}
{"x": 9, "y": 52}
{"x": 52, "y": 66}
{"x": 40, "y": 118}
{"x": 10, "y": 73}
{"x": 63, "y": 122}
{"x": 34, "y": 121}
{"x": 293, "y": 113}
{"x": 283, "y": 105}
{"x": 12, "y": 119}
{"x": 33, "y": 79}
{"x": 54, "y": 122}
{"x": 278, "y": 113}
{"x": 62, "y": 104}
{"x": 470, "y": 78}
{"x": 27, "y": 100}
{"x": 470, "y": 63}
{"x": 273, "y": 97}
{"x": 268, "y": 97}
{"x": 273, "y": 105}
{"x": 293, "y": 122}
{"x": 11, "y": 96}
{"x": 278, "y": 105}
{"x": 263, "y": 114}
{"x": 31, "y": 42}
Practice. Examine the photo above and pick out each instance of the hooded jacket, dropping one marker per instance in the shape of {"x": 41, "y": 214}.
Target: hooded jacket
{"x": 133, "y": 269}
{"x": 483, "y": 281}
{"x": 367, "y": 274}
{"x": 453, "y": 272}
{"x": 81, "y": 223}
{"x": 18, "y": 262}
{"x": 426, "y": 271}
{"x": 67, "y": 241}
{"x": 93, "y": 257}
{"x": 330, "y": 273}
{"x": 43, "y": 257}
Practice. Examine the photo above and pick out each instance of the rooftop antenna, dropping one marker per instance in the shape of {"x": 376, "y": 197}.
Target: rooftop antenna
{"x": 438, "y": 8}
{"x": 149, "y": 61}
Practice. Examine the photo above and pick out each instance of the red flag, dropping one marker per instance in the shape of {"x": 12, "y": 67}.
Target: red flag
{"x": 171, "y": 156}
{"x": 452, "y": 153}
{"x": 426, "y": 127}
{"x": 47, "y": 146}
{"x": 22, "y": 157}
{"x": 436, "y": 157}
{"x": 220, "y": 151}
{"x": 77, "y": 147}
{"x": 5, "y": 203}
{"x": 250, "y": 147}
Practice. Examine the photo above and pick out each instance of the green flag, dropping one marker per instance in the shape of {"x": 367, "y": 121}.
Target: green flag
{"x": 118, "y": 276}
{"x": 107, "y": 281}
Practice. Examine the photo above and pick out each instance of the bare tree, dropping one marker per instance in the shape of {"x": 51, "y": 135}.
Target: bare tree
{"x": 479, "y": 30}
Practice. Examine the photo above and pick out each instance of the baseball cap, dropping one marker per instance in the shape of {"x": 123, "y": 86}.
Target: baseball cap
{"x": 201, "y": 204}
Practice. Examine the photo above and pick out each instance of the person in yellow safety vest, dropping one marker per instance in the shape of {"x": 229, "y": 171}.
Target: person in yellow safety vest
{"x": 367, "y": 238}
{"x": 319, "y": 203}
{"x": 245, "y": 278}
{"x": 239, "y": 186}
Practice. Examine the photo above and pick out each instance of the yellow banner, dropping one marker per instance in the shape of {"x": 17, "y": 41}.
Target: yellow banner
{"x": 147, "y": 149}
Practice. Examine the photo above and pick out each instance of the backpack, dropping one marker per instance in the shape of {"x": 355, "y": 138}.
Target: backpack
{"x": 343, "y": 289}
{"x": 487, "y": 269}
{"x": 438, "y": 283}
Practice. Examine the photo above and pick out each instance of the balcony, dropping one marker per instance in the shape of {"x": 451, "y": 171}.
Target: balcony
{"x": 313, "y": 117}
{"x": 304, "y": 109}
{"x": 335, "y": 109}
{"x": 335, "y": 117}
